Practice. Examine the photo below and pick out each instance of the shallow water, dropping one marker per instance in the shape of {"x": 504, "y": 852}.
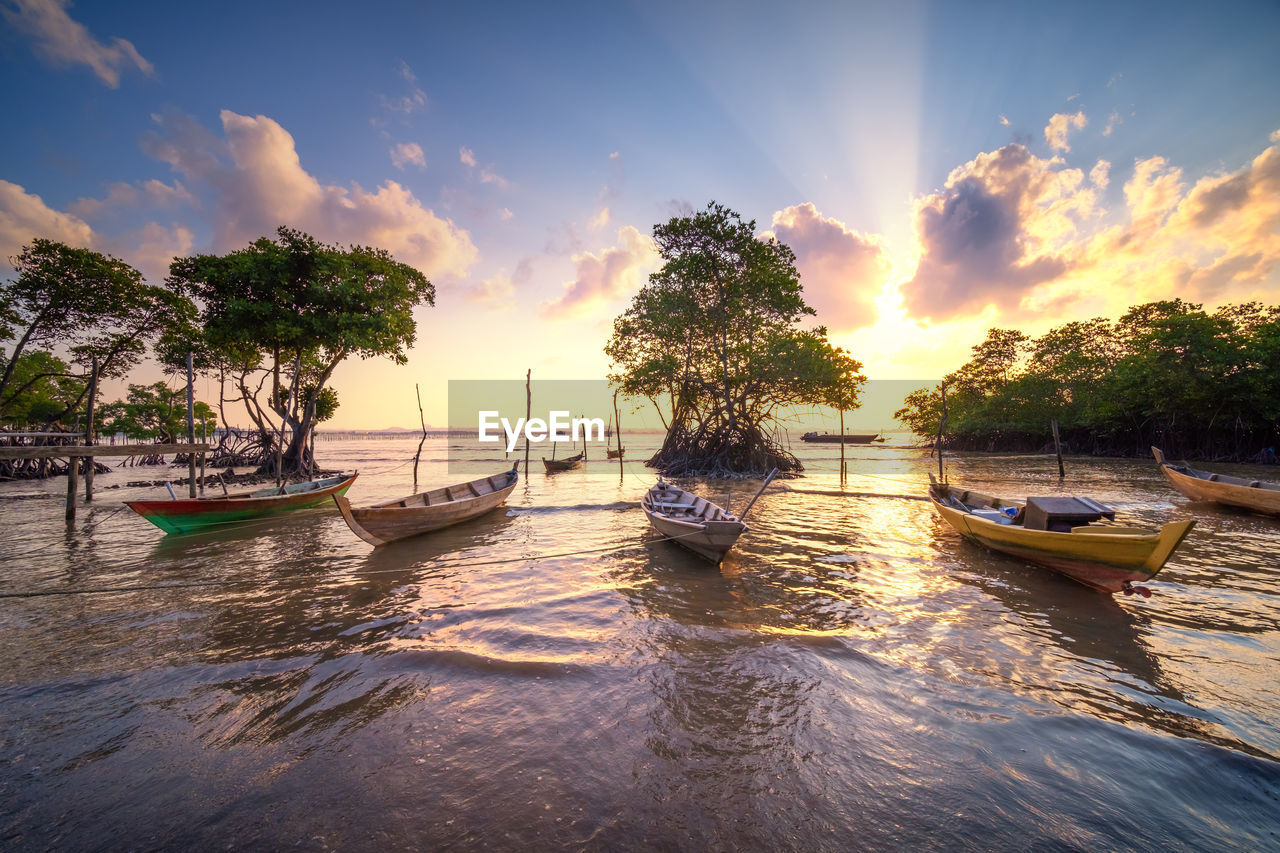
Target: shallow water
{"x": 854, "y": 676}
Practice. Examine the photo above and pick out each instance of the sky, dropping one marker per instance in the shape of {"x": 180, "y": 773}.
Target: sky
{"x": 939, "y": 169}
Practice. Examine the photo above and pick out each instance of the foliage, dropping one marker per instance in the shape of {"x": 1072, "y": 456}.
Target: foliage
{"x": 157, "y": 413}
{"x": 44, "y": 389}
{"x": 1165, "y": 373}
{"x": 90, "y": 305}
{"x": 279, "y": 316}
{"x": 715, "y": 336}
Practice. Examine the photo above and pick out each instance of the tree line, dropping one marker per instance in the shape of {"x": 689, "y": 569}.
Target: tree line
{"x": 269, "y": 323}
{"x": 1198, "y": 384}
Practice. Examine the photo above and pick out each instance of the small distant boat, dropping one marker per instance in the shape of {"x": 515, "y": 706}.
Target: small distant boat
{"x": 849, "y": 437}
{"x": 696, "y": 523}
{"x": 554, "y": 465}
{"x": 1199, "y": 485}
{"x": 617, "y": 454}
{"x": 427, "y": 511}
{"x": 183, "y": 515}
{"x": 1056, "y": 532}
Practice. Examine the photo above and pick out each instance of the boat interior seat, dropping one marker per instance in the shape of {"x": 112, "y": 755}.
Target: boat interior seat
{"x": 1212, "y": 477}
{"x": 1255, "y": 484}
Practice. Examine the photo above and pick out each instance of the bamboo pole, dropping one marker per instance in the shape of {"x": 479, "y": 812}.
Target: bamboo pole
{"x": 191, "y": 427}
{"x": 204, "y": 439}
{"x": 88, "y": 433}
{"x": 842, "y": 472}
{"x": 942, "y": 425}
{"x": 1057, "y": 446}
{"x": 617, "y": 426}
{"x": 528, "y": 411}
{"x": 423, "y": 420}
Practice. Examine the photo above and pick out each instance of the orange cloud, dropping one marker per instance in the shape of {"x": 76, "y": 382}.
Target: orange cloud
{"x": 24, "y": 216}
{"x": 258, "y": 183}
{"x": 1055, "y": 133}
{"x": 605, "y": 277}
{"x": 842, "y": 271}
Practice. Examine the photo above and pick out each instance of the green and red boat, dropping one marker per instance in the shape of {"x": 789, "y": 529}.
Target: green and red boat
{"x": 184, "y": 515}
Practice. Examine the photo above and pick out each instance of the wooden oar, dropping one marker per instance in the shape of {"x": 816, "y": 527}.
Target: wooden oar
{"x": 767, "y": 480}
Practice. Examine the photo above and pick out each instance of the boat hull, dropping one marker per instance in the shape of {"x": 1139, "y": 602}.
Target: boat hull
{"x": 381, "y": 525}
{"x": 555, "y": 465}
{"x": 192, "y": 514}
{"x": 1264, "y": 497}
{"x": 849, "y": 438}
{"x": 1110, "y": 562}
{"x": 710, "y": 539}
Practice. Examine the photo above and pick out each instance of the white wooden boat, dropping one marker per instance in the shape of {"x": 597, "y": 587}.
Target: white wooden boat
{"x": 1199, "y": 485}
{"x": 427, "y": 511}
{"x": 696, "y": 523}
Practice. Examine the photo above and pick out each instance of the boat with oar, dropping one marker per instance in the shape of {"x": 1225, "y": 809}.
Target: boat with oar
{"x": 568, "y": 464}
{"x": 696, "y": 523}
{"x": 184, "y": 515}
{"x": 1060, "y": 533}
{"x": 1198, "y": 485}
{"x": 427, "y": 511}
{"x": 617, "y": 454}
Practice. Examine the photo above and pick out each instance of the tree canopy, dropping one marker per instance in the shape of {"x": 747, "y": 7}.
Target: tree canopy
{"x": 1165, "y": 373}
{"x": 278, "y": 316}
{"x": 87, "y": 306}
{"x": 715, "y": 336}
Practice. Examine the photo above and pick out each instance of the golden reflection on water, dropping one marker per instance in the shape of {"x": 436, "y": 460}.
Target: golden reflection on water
{"x": 852, "y": 660}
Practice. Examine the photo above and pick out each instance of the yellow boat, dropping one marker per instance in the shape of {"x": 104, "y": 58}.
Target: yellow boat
{"x": 1059, "y": 533}
{"x": 1219, "y": 488}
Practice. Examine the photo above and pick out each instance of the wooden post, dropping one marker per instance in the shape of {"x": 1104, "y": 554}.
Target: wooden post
{"x": 842, "y": 444}
{"x": 73, "y": 483}
{"x": 191, "y": 428}
{"x": 423, "y": 420}
{"x": 942, "y": 425}
{"x": 88, "y": 433}
{"x": 1057, "y": 445}
{"x": 204, "y": 439}
{"x": 528, "y": 411}
{"x": 617, "y": 426}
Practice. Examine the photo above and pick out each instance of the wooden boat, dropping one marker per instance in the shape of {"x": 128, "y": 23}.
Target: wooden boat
{"x": 696, "y": 523}
{"x": 1199, "y": 485}
{"x": 617, "y": 454}
{"x": 849, "y": 437}
{"x": 427, "y": 511}
{"x": 554, "y": 465}
{"x": 1058, "y": 533}
{"x": 183, "y": 515}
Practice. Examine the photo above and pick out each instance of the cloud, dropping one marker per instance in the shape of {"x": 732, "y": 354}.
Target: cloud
{"x": 66, "y": 42}
{"x": 1100, "y": 174}
{"x": 467, "y": 156}
{"x": 488, "y": 176}
{"x": 1003, "y": 120}
{"x": 1024, "y": 239}
{"x": 257, "y": 183}
{"x": 605, "y": 277}
{"x": 1113, "y": 121}
{"x": 406, "y": 153}
{"x": 601, "y": 219}
{"x": 843, "y": 272}
{"x": 615, "y": 155}
{"x": 410, "y": 102}
{"x": 1055, "y": 133}
{"x": 24, "y": 216}
{"x": 1002, "y": 225}
{"x": 505, "y": 214}
{"x": 122, "y": 196}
